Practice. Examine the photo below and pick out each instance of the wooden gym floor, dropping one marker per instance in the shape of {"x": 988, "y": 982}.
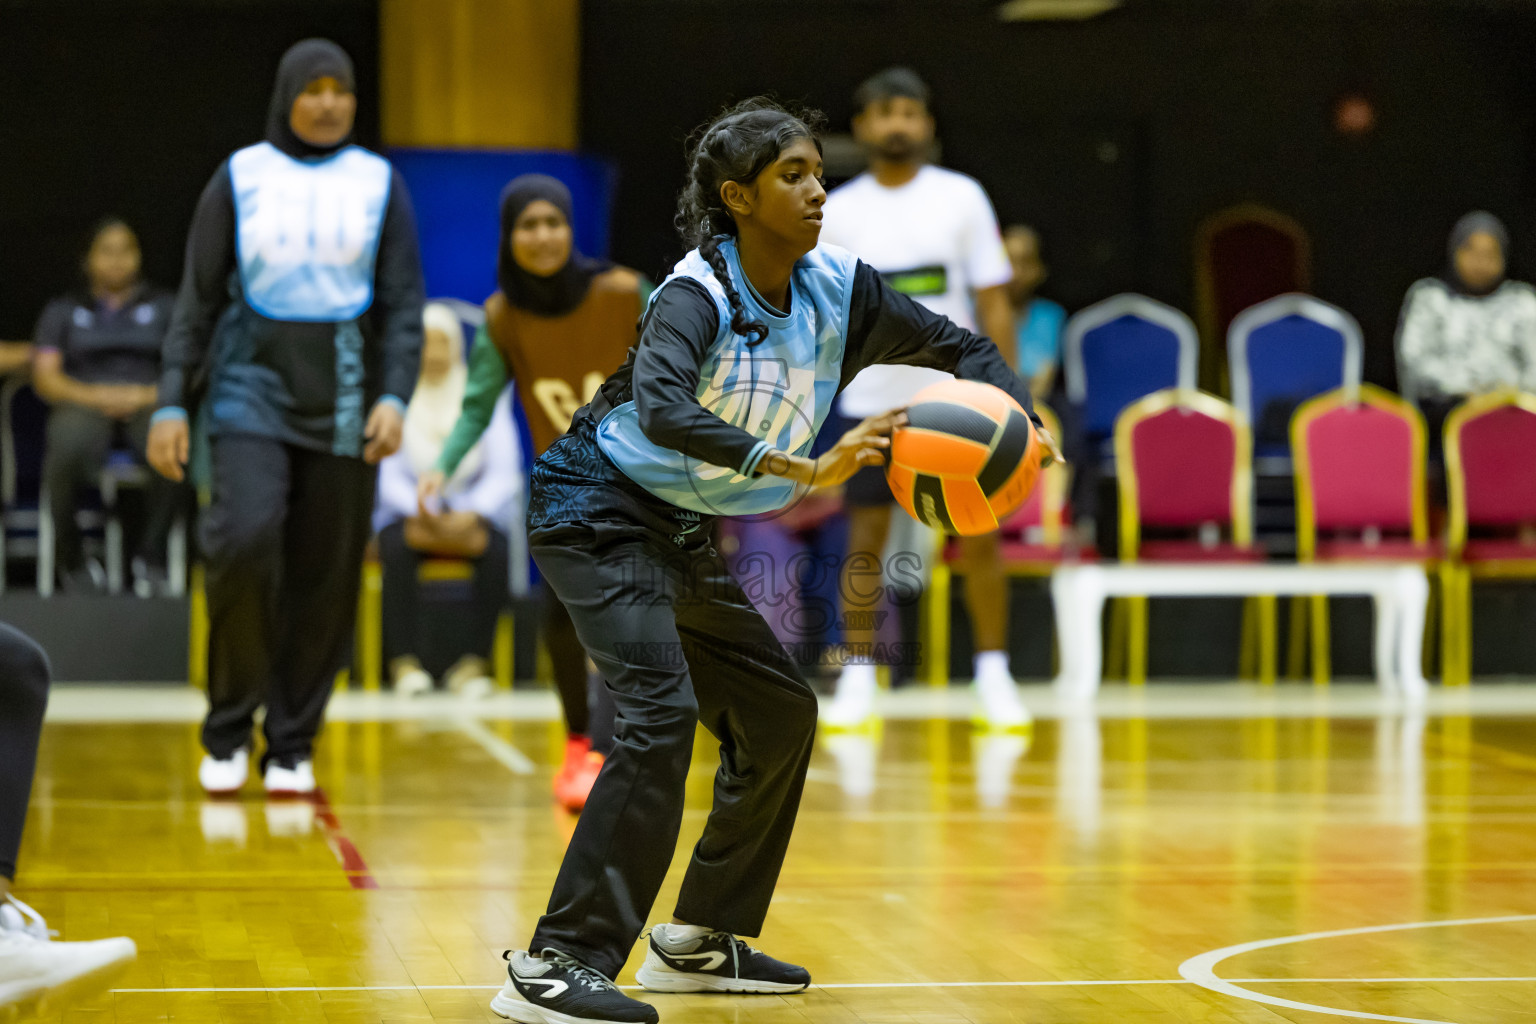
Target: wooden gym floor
{"x": 1209, "y": 854}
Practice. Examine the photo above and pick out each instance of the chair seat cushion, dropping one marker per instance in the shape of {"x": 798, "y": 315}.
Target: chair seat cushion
{"x": 1392, "y": 549}
{"x": 1499, "y": 549}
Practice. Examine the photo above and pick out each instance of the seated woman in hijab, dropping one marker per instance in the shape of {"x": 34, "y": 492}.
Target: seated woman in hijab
{"x": 467, "y": 518}
{"x": 1468, "y": 331}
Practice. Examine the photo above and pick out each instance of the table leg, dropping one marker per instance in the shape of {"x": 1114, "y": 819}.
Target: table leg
{"x": 1413, "y": 600}
{"x": 1388, "y": 625}
{"x": 1063, "y": 591}
{"x": 1089, "y": 627}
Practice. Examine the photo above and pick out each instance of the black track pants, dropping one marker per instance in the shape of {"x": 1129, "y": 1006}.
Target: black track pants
{"x": 23, "y": 699}
{"x": 679, "y": 643}
{"x": 283, "y": 538}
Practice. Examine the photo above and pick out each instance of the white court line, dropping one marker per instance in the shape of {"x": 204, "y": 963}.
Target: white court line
{"x": 171, "y": 703}
{"x": 1202, "y": 969}
{"x": 1070, "y": 983}
{"x": 500, "y": 750}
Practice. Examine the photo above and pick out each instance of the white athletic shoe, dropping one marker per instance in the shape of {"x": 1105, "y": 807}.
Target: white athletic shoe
{"x": 854, "y": 703}
{"x": 470, "y": 678}
{"x": 37, "y": 975}
{"x": 998, "y": 705}
{"x": 296, "y": 781}
{"x": 221, "y": 777}
{"x": 413, "y": 683}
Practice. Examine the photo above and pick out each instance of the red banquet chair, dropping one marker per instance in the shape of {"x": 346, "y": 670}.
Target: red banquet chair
{"x": 1490, "y": 468}
{"x": 1036, "y": 539}
{"x": 1186, "y": 467}
{"x": 1359, "y": 459}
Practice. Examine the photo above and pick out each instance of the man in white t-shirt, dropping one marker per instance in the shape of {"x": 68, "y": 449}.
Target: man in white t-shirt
{"x": 932, "y": 235}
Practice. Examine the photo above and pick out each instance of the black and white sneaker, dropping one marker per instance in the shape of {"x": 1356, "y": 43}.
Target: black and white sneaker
{"x": 717, "y": 962}
{"x": 558, "y": 989}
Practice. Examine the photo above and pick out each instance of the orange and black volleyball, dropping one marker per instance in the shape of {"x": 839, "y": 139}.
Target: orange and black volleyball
{"x": 967, "y": 458}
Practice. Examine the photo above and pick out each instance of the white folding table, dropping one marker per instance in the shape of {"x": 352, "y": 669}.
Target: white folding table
{"x": 1400, "y": 592}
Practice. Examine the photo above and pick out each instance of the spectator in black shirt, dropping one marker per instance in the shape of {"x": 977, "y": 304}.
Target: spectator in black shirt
{"x": 96, "y": 364}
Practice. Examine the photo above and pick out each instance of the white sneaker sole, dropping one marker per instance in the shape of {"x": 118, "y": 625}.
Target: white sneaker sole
{"x": 509, "y": 1003}
{"x": 665, "y": 979}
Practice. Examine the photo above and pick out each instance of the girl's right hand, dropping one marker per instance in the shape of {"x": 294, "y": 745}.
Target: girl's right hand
{"x": 864, "y": 445}
{"x": 428, "y": 488}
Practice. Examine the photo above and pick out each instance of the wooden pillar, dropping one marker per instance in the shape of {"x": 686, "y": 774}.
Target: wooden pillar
{"x": 473, "y": 74}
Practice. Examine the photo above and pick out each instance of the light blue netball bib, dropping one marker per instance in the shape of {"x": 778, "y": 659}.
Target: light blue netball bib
{"x": 779, "y": 390}
{"x": 308, "y": 231}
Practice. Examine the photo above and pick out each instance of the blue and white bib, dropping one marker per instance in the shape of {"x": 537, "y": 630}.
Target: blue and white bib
{"x": 307, "y": 231}
{"x": 779, "y": 390}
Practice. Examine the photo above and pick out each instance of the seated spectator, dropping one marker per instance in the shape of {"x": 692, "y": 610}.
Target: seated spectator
{"x": 1468, "y": 331}
{"x": 1039, "y": 321}
{"x": 469, "y": 519}
{"x": 96, "y": 363}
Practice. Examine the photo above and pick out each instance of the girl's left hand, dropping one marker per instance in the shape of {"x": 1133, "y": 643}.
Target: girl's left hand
{"x": 1052, "y": 449}
{"x": 383, "y": 432}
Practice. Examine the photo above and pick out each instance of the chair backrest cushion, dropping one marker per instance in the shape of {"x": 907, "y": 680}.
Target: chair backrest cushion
{"x": 1123, "y": 360}
{"x": 1289, "y": 360}
{"x": 1360, "y": 461}
{"x": 1498, "y": 460}
{"x": 1183, "y": 461}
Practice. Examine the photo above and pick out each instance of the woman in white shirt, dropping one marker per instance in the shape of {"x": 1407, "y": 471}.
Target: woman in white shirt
{"x": 469, "y": 521}
{"x": 1471, "y": 329}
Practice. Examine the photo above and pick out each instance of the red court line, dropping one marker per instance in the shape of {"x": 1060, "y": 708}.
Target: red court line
{"x": 346, "y": 852}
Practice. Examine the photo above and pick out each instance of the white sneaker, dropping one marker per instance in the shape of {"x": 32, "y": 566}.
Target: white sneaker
{"x": 413, "y": 683}
{"x": 296, "y": 781}
{"x": 38, "y": 975}
{"x": 854, "y": 703}
{"x": 220, "y": 777}
{"x": 470, "y": 678}
{"x": 476, "y": 688}
{"x": 998, "y": 705}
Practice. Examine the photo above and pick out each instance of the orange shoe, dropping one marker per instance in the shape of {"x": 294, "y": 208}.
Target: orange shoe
{"x": 577, "y": 774}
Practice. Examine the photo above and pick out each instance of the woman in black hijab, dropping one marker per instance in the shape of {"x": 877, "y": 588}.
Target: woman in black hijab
{"x": 300, "y": 343}
{"x": 1471, "y": 329}
{"x": 558, "y": 324}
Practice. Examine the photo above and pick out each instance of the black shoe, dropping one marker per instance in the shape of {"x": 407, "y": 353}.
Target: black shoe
{"x": 718, "y": 962}
{"x": 558, "y": 989}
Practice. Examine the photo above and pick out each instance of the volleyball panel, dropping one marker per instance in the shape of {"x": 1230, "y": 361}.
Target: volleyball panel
{"x": 928, "y": 505}
{"x": 901, "y": 479}
{"x": 967, "y": 508}
{"x": 933, "y": 451}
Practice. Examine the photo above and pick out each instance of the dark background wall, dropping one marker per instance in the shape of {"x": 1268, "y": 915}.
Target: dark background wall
{"x": 127, "y": 107}
{"x": 1118, "y": 135}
